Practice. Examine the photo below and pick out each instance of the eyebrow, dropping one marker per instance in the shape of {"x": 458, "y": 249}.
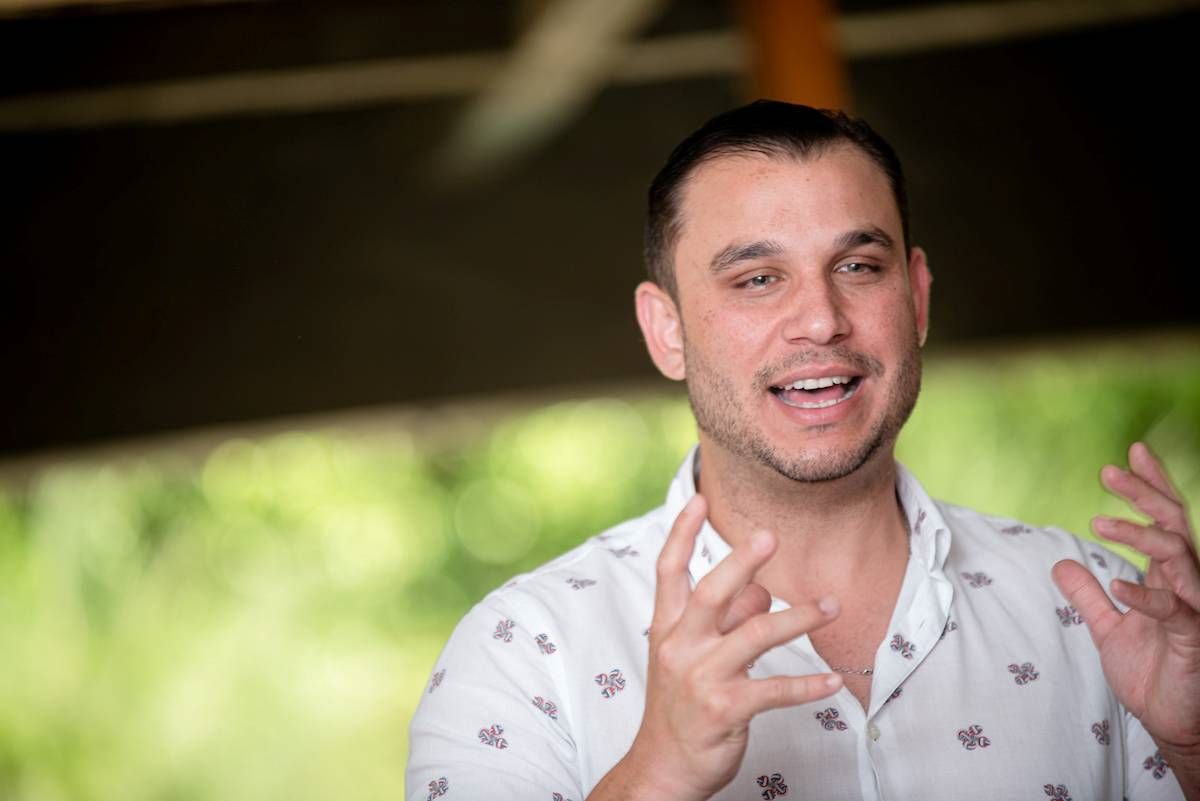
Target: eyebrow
{"x": 864, "y": 236}
{"x": 744, "y": 251}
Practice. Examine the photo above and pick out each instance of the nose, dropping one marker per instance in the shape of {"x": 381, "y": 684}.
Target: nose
{"x": 817, "y": 315}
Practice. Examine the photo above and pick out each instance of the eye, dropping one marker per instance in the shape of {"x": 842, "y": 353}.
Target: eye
{"x": 758, "y": 281}
{"x": 857, "y": 268}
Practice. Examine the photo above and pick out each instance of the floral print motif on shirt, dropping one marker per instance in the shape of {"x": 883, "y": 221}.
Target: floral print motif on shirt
{"x": 972, "y": 737}
{"x": 903, "y": 647}
{"x": 829, "y": 720}
{"x": 1067, "y": 616}
{"x": 1100, "y": 560}
{"x": 1015, "y": 529}
{"x": 548, "y": 707}
{"x": 977, "y": 579}
{"x": 1057, "y": 792}
{"x": 491, "y": 736}
{"x": 1156, "y": 764}
{"x": 623, "y": 551}
{"x": 436, "y": 681}
{"x": 438, "y": 788}
{"x": 544, "y": 645}
{"x": 503, "y": 631}
{"x": 773, "y": 784}
{"x": 1100, "y": 729}
{"x": 579, "y": 584}
{"x": 1023, "y": 673}
{"x": 610, "y": 683}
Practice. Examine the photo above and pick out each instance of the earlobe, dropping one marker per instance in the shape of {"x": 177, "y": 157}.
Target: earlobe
{"x": 658, "y": 318}
{"x": 920, "y": 280}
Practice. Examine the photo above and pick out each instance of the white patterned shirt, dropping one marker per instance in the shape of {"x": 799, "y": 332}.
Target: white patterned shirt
{"x": 987, "y": 686}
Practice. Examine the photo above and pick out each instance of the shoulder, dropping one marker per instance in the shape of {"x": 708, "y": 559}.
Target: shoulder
{"x": 606, "y": 563}
{"x": 978, "y": 536}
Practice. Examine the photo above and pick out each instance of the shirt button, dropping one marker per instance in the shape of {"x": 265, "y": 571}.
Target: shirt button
{"x": 873, "y": 731}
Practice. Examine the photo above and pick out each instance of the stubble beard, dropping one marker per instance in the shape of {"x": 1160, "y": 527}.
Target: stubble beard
{"x": 720, "y": 415}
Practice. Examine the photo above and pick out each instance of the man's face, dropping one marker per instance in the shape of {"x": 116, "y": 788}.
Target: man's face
{"x": 799, "y": 314}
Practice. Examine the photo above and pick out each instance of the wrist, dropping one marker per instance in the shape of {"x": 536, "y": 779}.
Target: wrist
{"x": 639, "y": 777}
{"x": 1184, "y": 762}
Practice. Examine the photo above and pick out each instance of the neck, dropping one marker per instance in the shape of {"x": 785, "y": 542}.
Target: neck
{"x": 833, "y": 535}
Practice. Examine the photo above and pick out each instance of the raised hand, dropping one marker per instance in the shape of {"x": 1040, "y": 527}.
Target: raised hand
{"x": 699, "y": 699}
{"x": 1151, "y": 654}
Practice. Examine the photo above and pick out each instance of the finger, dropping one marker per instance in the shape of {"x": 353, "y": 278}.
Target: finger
{"x": 1173, "y": 558}
{"x": 1147, "y": 465}
{"x": 1084, "y": 592}
{"x": 673, "y": 588}
{"x": 716, "y": 591}
{"x": 1162, "y": 605}
{"x": 761, "y": 633}
{"x": 1146, "y": 498}
{"x": 1150, "y": 540}
{"x": 752, "y": 600}
{"x": 759, "y": 695}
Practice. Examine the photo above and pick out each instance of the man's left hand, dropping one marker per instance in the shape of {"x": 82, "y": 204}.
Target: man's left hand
{"x": 1150, "y": 654}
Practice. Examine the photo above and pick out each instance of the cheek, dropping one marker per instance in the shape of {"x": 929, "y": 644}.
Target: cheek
{"x": 891, "y": 321}
{"x": 737, "y": 339}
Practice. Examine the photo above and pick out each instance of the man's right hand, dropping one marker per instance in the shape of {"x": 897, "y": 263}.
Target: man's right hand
{"x": 699, "y": 698}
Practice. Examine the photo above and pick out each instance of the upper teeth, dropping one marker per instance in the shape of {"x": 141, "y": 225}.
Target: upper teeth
{"x": 819, "y": 383}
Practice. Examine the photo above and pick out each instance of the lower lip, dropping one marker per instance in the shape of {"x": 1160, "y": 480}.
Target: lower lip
{"x": 822, "y": 415}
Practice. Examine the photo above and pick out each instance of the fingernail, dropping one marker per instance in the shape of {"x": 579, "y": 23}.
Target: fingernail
{"x": 828, "y": 605}
{"x": 1104, "y": 523}
{"x": 833, "y": 681}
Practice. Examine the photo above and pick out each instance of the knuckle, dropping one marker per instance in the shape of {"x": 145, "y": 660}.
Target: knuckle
{"x": 694, "y": 682}
{"x": 776, "y": 693}
{"x": 717, "y": 705}
{"x": 669, "y": 656}
{"x": 758, "y": 628}
{"x": 706, "y": 594}
{"x": 664, "y": 567}
{"x": 1176, "y": 546}
{"x": 1179, "y": 524}
{"x": 1171, "y": 604}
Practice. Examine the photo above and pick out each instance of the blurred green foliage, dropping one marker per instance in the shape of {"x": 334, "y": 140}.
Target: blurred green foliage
{"x": 261, "y": 625}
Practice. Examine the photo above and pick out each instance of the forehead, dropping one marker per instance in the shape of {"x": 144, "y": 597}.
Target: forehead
{"x": 800, "y": 202}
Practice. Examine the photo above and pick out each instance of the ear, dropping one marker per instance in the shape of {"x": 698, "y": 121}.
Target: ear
{"x": 658, "y": 318}
{"x": 920, "y": 280}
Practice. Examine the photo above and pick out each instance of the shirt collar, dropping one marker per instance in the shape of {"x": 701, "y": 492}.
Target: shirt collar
{"x": 929, "y": 541}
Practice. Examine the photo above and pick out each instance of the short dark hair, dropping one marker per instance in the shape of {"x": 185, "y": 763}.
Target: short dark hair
{"x": 768, "y": 128}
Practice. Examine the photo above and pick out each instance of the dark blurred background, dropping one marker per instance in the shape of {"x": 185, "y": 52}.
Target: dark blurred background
{"x": 231, "y": 211}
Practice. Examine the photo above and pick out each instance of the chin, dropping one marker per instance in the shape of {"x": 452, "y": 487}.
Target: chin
{"x": 819, "y": 465}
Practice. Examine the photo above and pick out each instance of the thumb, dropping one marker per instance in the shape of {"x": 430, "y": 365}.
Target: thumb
{"x": 1084, "y": 592}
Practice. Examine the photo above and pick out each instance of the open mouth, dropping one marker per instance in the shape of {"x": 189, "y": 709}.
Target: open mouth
{"x": 818, "y": 393}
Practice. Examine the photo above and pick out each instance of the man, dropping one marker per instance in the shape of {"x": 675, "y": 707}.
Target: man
{"x": 800, "y": 617}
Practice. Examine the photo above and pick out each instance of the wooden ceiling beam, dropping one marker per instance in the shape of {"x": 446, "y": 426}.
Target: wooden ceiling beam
{"x": 795, "y": 53}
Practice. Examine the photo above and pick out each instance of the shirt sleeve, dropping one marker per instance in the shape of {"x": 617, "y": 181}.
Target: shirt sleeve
{"x": 490, "y": 723}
